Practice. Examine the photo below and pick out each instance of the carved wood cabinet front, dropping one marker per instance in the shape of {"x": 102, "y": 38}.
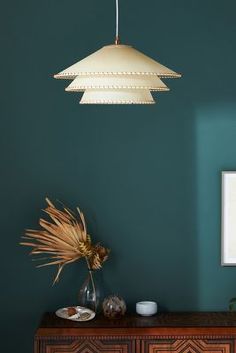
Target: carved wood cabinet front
{"x": 194, "y": 333}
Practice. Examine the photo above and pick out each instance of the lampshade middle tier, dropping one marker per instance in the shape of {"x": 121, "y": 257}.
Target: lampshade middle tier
{"x": 141, "y": 82}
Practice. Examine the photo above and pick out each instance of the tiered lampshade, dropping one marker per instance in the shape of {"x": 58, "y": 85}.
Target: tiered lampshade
{"x": 117, "y": 74}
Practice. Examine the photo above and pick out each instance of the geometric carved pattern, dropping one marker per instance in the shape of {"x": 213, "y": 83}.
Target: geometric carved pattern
{"x": 90, "y": 346}
{"x": 187, "y": 346}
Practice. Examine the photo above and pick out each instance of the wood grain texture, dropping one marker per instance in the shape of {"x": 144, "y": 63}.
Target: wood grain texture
{"x": 195, "y": 319}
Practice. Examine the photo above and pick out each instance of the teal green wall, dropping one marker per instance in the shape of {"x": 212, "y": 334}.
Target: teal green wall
{"x": 147, "y": 177}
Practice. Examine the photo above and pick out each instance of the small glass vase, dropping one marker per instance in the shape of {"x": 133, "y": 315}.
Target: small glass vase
{"x": 90, "y": 292}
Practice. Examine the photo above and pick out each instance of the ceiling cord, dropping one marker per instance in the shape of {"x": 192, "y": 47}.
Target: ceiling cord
{"x": 117, "y": 40}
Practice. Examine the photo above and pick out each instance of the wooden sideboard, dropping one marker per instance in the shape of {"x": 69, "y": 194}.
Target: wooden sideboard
{"x": 165, "y": 332}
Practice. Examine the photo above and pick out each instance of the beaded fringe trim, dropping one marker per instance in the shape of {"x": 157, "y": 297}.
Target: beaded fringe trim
{"x": 83, "y": 88}
{"x": 71, "y": 76}
{"x": 116, "y": 102}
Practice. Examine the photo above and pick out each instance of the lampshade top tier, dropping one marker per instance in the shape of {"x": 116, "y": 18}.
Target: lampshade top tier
{"x": 117, "y": 60}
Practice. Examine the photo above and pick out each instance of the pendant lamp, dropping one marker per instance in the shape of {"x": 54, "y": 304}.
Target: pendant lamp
{"x": 117, "y": 74}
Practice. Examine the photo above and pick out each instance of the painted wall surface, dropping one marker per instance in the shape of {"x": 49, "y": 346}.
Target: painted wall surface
{"x": 147, "y": 177}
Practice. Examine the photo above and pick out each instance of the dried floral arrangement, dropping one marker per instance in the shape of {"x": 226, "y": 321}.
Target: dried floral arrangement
{"x": 64, "y": 240}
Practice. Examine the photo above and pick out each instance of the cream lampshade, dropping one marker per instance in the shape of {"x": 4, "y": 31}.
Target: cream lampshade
{"x": 117, "y": 74}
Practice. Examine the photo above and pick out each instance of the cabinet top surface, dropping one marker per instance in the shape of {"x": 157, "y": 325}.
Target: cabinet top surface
{"x": 204, "y": 319}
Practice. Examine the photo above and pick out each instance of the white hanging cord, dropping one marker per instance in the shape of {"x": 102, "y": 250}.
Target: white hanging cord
{"x": 117, "y": 40}
{"x": 117, "y": 18}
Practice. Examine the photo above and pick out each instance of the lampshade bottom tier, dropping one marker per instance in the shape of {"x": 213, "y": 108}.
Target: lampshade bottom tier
{"x": 125, "y": 96}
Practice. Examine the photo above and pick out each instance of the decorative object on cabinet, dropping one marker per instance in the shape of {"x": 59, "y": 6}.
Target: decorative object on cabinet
{"x": 228, "y": 244}
{"x": 165, "y": 332}
{"x": 65, "y": 240}
{"x": 117, "y": 74}
{"x": 90, "y": 293}
{"x": 146, "y": 308}
{"x": 76, "y": 313}
{"x": 114, "y": 307}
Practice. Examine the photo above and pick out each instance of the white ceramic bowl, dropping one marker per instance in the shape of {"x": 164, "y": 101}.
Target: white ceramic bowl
{"x": 146, "y": 308}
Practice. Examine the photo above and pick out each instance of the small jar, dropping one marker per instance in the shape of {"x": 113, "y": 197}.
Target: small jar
{"x": 146, "y": 308}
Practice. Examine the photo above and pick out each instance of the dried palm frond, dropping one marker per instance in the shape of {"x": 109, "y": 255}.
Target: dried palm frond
{"x": 64, "y": 240}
